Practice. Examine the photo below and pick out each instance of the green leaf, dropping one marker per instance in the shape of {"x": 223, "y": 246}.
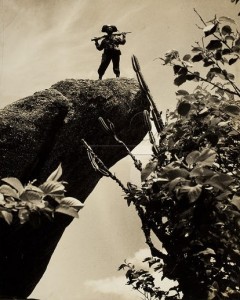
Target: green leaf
{"x": 172, "y": 166}
{"x": 7, "y": 216}
{"x": 226, "y": 50}
{"x": 215, "y": 70}
{"x": 148, "y": 169}
{"x": 197, "y": 57}
{"x": 220, "y": 181}
{"x": 71, "y": 202}
{"x": 233, "y": 60}
{"x": 182, "y": 93}
{"x": 207, "y": 62}
{"x": 15, "y": 183}
{"x": 204, "y": 112}
{"x": 70, "y": 211}
{"x": 29, "y": 195}
{"x": 183, "y": 71}
{"x": 176, "y": 69}
{"x": 212, "y": 293}
{"x": 206, "y": 157}
{"x": 210, "y": 76}
{"x": 214, "y": 100}
{"x": 131, "y": 187}
{"x": 227, "y": 19}
{"x": 208, "y": 251}
{"x": 51, "y": 187}
{"x": 192, "y": 157}
{"x": 190, "y": 77}
{"x": 193, "y": 192}
{"x": 224, "y": 196}
{"x": 226, "y": 30}
{"x": 202, "y": 172}
{"x": 6, "y": 190}
{"x": 236, "y": 48}
{"x": 23, "y": 215}
{"x": 38, "y": 203}
{"x": 180, "y": 80}
{"x": 183, "y": 108}
{"x": 236, "y": 201}
{"x": 158, "y": 182}
{"x": 2, "y": 200}
{"x": 121, "y": 267}
{"x": 214, "y": 45}
{"x": 218, "y": 55}
{"x": 223, "y": 124}
{"x": 210, "y": 29}
{"x": 174, "y": 182}
{"x": 177, "y": 172}
{"x": 55, "y": 174}
{"x": 232, "y": 109}
{"x": 186, "y": 57}
{"x": 229, "y": 75}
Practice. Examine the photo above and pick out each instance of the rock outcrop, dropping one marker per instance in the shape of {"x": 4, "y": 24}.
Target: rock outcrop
{"x": 39, "y": 132}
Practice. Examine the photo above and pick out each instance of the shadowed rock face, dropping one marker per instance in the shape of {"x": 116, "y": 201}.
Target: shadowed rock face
{"x": 39, "y": 132}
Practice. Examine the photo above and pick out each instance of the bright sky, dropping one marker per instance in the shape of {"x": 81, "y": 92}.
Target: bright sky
{"x": 45, "y": 41}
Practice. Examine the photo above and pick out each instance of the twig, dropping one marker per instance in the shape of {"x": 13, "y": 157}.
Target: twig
{"x": 215, "y": 85}
{"x": 200, "y": 17}
{"x": 98, "y": 165}
{"x": 111, "y": 129}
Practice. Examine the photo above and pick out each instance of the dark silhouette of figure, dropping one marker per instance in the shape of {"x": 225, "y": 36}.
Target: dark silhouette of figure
{"x": 110, "y": 45}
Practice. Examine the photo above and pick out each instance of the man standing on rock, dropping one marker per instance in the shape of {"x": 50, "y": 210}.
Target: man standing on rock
{"x": 110, "y": 45}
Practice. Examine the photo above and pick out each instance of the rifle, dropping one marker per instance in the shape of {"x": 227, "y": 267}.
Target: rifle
{"x": 102, "y": 37}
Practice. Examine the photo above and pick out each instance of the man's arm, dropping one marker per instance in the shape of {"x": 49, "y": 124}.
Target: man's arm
{"x": 99, "y": 46}
{"x": 122, "y": 40}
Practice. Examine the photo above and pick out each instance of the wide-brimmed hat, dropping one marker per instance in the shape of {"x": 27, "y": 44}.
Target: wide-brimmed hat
{"x": 106, "y": 27}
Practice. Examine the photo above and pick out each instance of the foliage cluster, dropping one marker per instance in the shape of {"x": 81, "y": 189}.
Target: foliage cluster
{"x": 190, "y": 194}
{"x": 190, "y": 197}
{"x": 19, "y": 203}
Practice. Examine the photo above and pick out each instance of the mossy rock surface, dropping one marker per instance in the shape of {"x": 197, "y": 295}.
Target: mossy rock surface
{"x": 45, "y": 129}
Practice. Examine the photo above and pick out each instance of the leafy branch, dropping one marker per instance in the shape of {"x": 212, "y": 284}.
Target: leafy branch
{"x": 19, "y": 203}
{"x": 190, "y": 195}
{"x": 215, "y": 52}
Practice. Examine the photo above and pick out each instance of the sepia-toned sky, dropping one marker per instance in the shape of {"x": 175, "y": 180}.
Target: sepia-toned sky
{"x": 45, "y": 41}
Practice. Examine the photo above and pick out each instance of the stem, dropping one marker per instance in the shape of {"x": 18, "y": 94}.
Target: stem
{"x": 158, "y": 120}
{"x": 237, "y": 90}
{"x": 215, "y": 85}
{"x": 200, "y": 17}
{"x": 104, "y": 168}
{"x": 146, "y": 229}
{"x": 137, "y": 163}
{"x": 225, "y": 43}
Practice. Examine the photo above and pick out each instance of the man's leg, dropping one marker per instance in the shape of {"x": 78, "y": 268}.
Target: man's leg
{"x": 104, "y": 64}
{"x": 116, "y": 61}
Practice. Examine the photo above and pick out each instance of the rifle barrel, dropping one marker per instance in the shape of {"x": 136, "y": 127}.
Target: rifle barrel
{"x": 117, "y": 33}
{"x": 124, "y": 32}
